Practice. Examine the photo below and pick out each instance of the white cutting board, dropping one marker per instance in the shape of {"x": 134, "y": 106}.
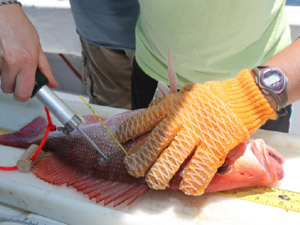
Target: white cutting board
{"x": 156, "y": 207}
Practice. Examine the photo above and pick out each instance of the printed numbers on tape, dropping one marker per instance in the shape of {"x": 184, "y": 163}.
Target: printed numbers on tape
{"x": 270, "y": 196}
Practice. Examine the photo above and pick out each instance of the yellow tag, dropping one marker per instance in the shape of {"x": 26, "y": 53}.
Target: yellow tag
{"x": 104, "y": 125}
{"x": 271, "y": 196}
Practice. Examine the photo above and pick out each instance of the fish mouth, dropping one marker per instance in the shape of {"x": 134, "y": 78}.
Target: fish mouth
{"x": 269, "y": 158}
{"x": 249, "y": 164}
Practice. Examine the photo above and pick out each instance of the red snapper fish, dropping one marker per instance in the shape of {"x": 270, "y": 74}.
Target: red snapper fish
{"x": 71, "y": 160}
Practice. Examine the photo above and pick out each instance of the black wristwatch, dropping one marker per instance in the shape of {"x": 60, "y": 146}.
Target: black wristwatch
{"x": 272, "y": 81}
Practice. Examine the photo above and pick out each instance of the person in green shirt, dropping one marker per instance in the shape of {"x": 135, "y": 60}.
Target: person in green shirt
{"x": 208, "y": 40}
{"x": 236, "y": 69}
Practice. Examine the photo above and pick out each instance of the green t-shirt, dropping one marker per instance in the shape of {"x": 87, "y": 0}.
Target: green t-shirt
{"x": 208, "y": 39}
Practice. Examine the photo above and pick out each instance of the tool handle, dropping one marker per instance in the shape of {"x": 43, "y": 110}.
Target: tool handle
{"x": 56, "y": 106}
{"x": 40, "y": 81}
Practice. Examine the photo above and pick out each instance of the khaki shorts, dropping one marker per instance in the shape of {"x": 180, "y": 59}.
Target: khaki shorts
{"x": 107, "y": 74}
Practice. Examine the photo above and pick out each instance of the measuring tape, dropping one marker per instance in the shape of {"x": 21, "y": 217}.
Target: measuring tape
{"x": 271, "y": 196}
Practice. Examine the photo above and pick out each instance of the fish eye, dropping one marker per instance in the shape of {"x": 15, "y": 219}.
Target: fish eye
{"x": 225, "y": 168}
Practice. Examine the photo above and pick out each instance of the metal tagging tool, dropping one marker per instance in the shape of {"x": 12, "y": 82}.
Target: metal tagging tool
{"x": 59, "y": 109}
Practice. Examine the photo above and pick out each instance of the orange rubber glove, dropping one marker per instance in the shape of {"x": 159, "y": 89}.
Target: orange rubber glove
{"x": 206, "y": 120}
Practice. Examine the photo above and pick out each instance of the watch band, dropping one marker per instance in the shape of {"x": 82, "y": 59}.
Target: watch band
{"x": 281, "y": 104}
{"x": 281, "y": 110}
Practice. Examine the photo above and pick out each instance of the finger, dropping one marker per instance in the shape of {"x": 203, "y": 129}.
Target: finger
{"x": 8, "y": 78}
{"x": 24, "y": 84}
{"x": 139, "y": 124}
{"x": 200, "y": 170}
{"x": 45, "y": 69}
{"x": 146, "y": 119}
{"x": 9, "y": 70}
{"x": 170, "y": 160}
{"x": 139, "y": 159}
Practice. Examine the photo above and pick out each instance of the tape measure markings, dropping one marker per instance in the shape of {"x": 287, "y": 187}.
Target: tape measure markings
{"x": 276, "y": 197}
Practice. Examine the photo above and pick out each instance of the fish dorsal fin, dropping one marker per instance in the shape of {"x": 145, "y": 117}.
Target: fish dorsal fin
{"x": 171, "y": 74}
{"x": 52, "y": 170}
{"x": 163, "y": 89}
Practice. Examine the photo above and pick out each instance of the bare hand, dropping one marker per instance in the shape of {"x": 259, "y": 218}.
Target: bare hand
{"x": 20, "y": 53}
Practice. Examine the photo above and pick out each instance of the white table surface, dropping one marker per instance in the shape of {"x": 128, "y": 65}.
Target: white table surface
{"x": 64, "y": 204}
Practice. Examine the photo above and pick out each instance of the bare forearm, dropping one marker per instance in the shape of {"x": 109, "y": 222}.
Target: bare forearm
{"x": 288, "y": 60}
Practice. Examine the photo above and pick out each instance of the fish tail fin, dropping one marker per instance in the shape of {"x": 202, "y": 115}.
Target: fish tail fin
{"x": 52, "y": 170}
{"x": 28, "y": 135}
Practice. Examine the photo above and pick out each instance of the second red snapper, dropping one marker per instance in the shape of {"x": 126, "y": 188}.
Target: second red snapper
{"x": 71, "y": 160}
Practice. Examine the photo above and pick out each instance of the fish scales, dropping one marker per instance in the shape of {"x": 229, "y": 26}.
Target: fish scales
{"x": 76, "y": 151}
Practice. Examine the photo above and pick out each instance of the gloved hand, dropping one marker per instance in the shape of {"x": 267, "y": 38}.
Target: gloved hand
{"x": 206, "y": 120}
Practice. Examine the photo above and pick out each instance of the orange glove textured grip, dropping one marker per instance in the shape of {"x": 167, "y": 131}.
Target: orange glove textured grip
{"x": 206, "y": 120}
{"x": 245, "y": 99}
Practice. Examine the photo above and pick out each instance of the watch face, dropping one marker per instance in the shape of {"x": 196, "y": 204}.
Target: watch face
{"x": 272, "y": 79}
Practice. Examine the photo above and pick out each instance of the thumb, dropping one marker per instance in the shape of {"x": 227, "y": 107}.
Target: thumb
{"x": 45, "y": 68}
